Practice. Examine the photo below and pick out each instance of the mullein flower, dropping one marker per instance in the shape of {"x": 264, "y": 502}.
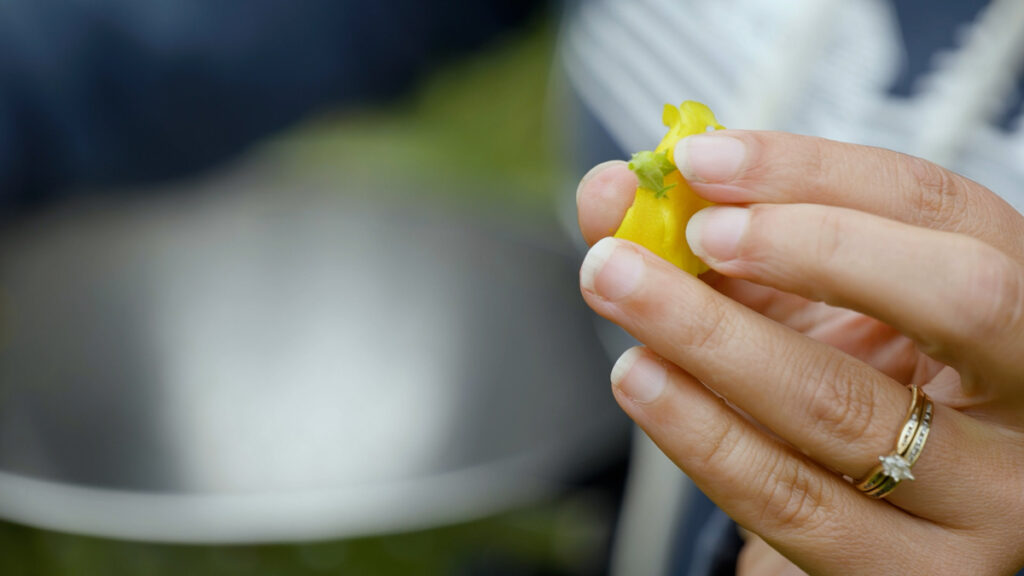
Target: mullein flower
{"x": 664, "y": 201}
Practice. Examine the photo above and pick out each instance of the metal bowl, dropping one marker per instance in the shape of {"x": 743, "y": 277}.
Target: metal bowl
{"x": 249, "y": 363}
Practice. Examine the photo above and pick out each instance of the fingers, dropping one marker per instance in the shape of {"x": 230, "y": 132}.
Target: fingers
{"x": 751, "y": 361}
{"x": 602, "y": 203}
{"x": 979, "y": 294}
{"x": 604, "y": 196}
{"x": 832, "y": 407}
{"x": 960, "y": 298}
{"x": 740, "y": 167}
{"x": 873, "y": 342}
{"x": 805, "y": 511}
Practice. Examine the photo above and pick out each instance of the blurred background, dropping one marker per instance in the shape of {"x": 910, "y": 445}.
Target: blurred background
{"x": 333, "y": 328}
{"x": 291, "y": 287}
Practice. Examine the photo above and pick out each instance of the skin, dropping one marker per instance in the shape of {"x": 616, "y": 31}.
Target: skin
{"x": 841, "y": 275}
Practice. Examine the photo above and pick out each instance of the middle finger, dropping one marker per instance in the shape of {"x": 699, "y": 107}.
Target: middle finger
{"x": 955, "y": 295}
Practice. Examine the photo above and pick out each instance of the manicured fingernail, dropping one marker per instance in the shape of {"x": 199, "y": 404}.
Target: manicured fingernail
{"x": 639, "y": 376}
{"x": 709, "y": 157}
{"x": 714, "y": 233}
{"x": 611, "y": 270}
{"x": 591, "y": 174}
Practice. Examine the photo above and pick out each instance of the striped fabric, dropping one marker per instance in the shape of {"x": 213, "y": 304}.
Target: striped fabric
{"x": 821, "y": 67}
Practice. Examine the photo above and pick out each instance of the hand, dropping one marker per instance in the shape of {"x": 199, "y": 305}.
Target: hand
{"x": 842, "y": 275}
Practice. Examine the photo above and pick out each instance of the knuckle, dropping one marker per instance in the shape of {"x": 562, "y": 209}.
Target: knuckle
{"x": 991, "y": 300}
{"x": 712, "y": 328}
{"x": 806, "y": 160}
{"x": 829, "y": 237}
{"x": 719, "y": 445}
{"x": 793, "y": 495}
{"x": 818, "y": 160}
{"x": 937, "y": 197}
{"x": 842, "y": 404}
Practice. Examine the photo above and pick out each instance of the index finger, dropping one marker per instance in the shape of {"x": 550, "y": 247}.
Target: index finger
{"x": 742, "y": 167}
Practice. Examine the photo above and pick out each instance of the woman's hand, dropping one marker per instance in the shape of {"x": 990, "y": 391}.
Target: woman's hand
{"x": 842, "y": 275}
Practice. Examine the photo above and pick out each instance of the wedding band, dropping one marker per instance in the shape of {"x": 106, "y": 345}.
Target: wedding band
{"x": 877, "y": 476}
{"x": 910, "y": 426}
{"x": 895, "y": 466}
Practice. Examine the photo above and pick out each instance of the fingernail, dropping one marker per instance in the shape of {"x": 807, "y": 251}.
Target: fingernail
{"x": 714, "y": 233}
{"x": 709, "y": 157}
{"x": 591, "y": 174}
{"x": 639, "y": 376}
{"x": 611, "y": 270}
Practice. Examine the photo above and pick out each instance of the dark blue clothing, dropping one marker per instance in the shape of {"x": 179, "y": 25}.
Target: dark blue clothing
{"x": 931, "y": 26}
{"x": 121, "y": 91}
{"x": 928, "y": 26}
{"x": 706, "y": 542}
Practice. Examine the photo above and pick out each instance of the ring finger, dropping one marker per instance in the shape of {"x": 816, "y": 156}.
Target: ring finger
{"x": 766, "y": 486}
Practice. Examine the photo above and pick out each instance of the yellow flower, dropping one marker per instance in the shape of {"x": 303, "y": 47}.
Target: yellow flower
{"x": 664, "y": 201}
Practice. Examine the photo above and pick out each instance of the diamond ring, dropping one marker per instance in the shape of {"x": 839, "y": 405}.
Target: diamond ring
{"x": 895, "y": 467}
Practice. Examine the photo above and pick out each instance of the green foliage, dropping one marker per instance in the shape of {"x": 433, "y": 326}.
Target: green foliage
{"x": 479, "y": 126}
{"x": 537, "y": 538}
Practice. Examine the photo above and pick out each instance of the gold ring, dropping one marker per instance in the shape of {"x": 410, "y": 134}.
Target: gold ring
{"x": 895, "y": 467}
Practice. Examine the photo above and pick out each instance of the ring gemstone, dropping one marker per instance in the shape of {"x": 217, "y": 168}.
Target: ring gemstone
{"x": 897, "y": 467}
